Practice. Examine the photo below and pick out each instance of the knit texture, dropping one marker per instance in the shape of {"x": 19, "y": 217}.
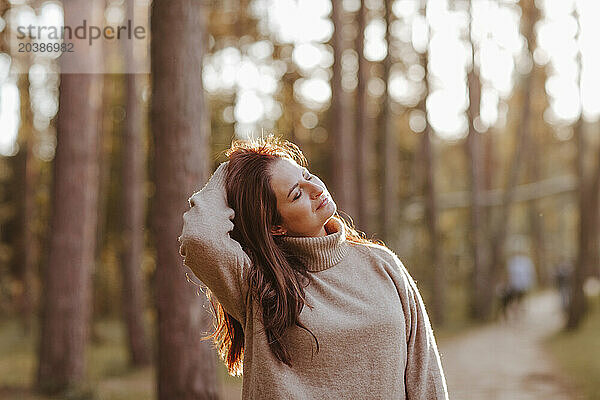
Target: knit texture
{"x": 320, "y": 253}
{"x": 375, "y": 338}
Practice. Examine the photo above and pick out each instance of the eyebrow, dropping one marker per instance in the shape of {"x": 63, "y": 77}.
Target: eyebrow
{"x": 296, "y": 184}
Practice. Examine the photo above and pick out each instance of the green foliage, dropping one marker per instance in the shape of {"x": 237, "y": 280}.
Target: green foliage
{"x": 578, "y": 352}
{"x": 109, "y": 376}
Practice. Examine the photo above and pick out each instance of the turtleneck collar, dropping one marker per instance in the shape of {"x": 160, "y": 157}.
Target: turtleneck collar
{"x": 320, "y": 253}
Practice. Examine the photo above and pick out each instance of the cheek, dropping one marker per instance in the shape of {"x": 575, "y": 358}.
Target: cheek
{"x": 298, "y": 214}
{"x": 302, "y": 210}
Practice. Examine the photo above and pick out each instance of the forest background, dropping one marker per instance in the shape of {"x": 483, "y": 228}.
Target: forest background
{"x": 458, "y": 132}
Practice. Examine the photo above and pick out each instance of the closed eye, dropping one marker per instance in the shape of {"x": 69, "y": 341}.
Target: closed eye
{"x": 308, "y": 178}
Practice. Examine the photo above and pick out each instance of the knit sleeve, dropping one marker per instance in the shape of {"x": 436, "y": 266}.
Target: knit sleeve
{"x": 215, "y": 258}
{"x": 424, "y": 376}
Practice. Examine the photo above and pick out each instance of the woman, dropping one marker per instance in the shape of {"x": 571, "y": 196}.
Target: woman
{"x": 364, "y": 332}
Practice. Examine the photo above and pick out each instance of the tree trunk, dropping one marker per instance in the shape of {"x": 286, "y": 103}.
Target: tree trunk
{"x": 26, "y": 255}
{"x": 106, "y": 139}
{"x": 67, "y": 277}
{"x": 133, "y": 212}
{"x": 537, "y": 220}
{"x": 364, "y": 130}
{"x": 489, "y": 166}
{"x": 389, "y": 148}
{"x": 431, "y": 215}
{"x": 594, "y": 215}
{"x": 589, "y": 193}
{"x": 521, "y": 146}
{"x": 577, "y": 305}
{"x": 480, "y": 305}
{"x": 186, "y": 366}
{"x": 343, "y": 148}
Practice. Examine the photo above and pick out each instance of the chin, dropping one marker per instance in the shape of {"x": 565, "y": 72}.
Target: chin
{"x": 333, "y": 208}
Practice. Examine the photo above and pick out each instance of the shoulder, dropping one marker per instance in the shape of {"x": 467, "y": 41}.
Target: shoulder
{"x": 381, "y": 255}
{"x": 391, "y": 263}
{"x": 378, "y": 251}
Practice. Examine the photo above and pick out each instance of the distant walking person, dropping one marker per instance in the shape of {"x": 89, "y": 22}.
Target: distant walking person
{"x": 305, "y": 306}
{"x": 563, "y": 283}
{"x": 521, "y": 276}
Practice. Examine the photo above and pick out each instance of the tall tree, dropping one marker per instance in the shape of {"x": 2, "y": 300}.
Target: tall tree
{"x": 67, "y": 276}
{"x": 498, "y": 238}
{"x": 577, "y": 305}
{"x": 27, "y": 246}
{"x": 479, "y": 275}
{"x": 133, "y": 208}
{"x": 364, "y": 129}
{"x": 594, "y": 214}
{"x": 535, "y": 173}
{"x": 342, "y": 158}
{"x": 430, "y": 197}
{"x": 389, "y": 148}
{"x": 588, "y": 196}
{"x": 186, "y": 366}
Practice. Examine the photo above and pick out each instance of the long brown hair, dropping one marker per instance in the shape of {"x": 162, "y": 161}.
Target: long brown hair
{"x": 276, "y": 277}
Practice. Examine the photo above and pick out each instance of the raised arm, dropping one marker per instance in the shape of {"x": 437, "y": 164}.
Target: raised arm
{"x": 424, "y": 376}
{"x": 215, "y": 258}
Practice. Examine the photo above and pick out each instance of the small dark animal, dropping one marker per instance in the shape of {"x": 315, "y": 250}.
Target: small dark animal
{"x": 510, "y": 302}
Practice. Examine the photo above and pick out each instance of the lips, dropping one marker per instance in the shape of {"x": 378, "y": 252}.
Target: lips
{"x": 325, "y": 201}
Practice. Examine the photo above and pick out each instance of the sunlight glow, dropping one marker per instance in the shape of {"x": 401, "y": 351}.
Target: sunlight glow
{"x": 300, "y": 21}
{"x": 307, "y": 55}
{"x": 9, "y": 117}
{"x": 375, "y": 46}
{"x": 500, "y": 57}
{"x": 315, "y": 92}
{"x": 251, "y": 76}
{"x": 248, "y": 108}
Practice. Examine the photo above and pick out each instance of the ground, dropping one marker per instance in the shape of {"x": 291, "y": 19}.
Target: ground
{"x": 500, "y": 361}
{"x": 507, "y": 360}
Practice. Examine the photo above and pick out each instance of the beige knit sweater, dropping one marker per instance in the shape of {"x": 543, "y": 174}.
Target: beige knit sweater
{"x": 374, "y": 335}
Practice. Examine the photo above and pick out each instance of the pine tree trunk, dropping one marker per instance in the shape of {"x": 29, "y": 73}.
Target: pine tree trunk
{"x": 589, "y": 195}
{"x": 133, "y": 207}
{"x": 389, "y": 148}
{"x": 431, "y": 219}
{"x": 480, "y": 277}
{"x": 537, "y": 220}
{"x": 577, "y": 305}
{"x": 186, "y": 366}
{"x": 521, "y": 147}
{"x": 27, "y": 250}
{"x": 67, "y": 276}
{"x": 431, "y": 214}
{"x": 106, "y": 139}
{"x": 343, "y": 147}
{"x": 595, "y": 219}
{"x": 364, "y": 130}
{"x": 480, "y": 274}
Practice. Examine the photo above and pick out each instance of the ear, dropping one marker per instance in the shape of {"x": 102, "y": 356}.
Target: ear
{"x": 278, "y": 230}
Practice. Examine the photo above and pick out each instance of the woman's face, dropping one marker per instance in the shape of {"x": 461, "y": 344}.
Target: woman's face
{"x": 303, "y": 201}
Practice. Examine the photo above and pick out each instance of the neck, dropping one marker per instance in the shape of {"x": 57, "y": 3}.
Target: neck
{"x": 320, "y": 252}
{"x": 322, "y": 232}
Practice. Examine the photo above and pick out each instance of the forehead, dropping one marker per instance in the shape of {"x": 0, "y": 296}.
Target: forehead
{"x": 284, "y": 173}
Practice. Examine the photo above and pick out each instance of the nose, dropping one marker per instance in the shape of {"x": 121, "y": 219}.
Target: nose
{"x": 315, "y": 190}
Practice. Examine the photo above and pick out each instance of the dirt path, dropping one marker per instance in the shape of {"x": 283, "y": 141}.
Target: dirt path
{"x": 506, "y": 360}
